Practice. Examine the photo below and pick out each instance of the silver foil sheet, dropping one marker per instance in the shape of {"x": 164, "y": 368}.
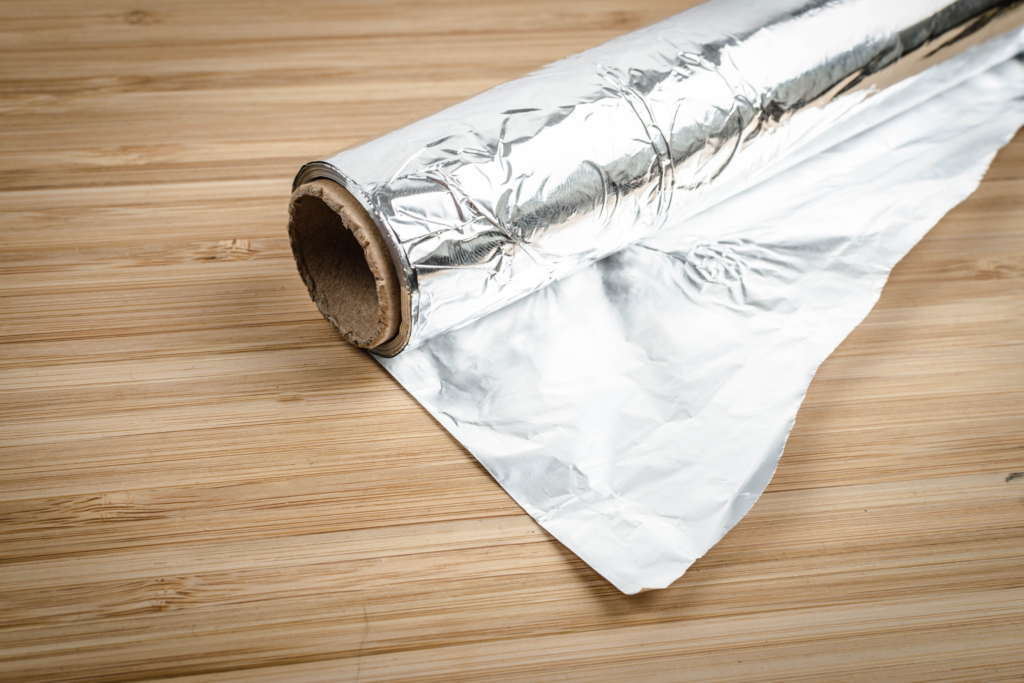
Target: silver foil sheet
{"x": 638, "y": 408}
{"x": 527, "y": 183}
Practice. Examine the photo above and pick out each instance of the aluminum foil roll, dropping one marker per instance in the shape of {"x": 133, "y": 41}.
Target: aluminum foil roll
{"x": 618, "y": 275}
{"x": 527, "y": 183}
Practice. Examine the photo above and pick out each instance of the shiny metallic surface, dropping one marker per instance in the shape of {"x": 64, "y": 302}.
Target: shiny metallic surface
{"x": 503, "y": 194}
{"x": 667, "y": 235}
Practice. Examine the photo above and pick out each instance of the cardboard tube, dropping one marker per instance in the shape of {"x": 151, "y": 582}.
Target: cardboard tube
{"x": 344, "y": 261}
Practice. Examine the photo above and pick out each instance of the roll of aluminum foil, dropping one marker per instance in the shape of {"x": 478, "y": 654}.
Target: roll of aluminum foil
{"x": 638, "y": 408}
{"x": 527, "y": 183}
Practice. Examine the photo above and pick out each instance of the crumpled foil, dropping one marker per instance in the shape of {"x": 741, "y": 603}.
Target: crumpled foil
{"x": 728, "y": 191}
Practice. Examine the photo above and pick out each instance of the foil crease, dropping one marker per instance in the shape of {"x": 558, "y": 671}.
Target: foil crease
{"x": 728, "y": 191}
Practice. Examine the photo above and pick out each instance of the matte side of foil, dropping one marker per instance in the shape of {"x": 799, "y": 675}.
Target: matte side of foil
{"x": 525, "y": 184}
{"x": 638, "y": 408}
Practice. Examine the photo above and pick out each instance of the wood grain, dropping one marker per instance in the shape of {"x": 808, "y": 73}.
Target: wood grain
{"x": 199, "y": 482}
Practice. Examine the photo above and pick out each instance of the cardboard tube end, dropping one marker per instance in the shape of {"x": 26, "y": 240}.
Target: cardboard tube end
{"x": 344, "y": 261}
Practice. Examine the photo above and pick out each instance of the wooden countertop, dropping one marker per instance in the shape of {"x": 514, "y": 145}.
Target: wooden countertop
{"x": 200, "y": 482}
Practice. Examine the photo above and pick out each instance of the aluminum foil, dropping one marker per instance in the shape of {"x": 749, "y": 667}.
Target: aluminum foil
{"x": 503, "y": 194}
{"x": 638, "y": 408}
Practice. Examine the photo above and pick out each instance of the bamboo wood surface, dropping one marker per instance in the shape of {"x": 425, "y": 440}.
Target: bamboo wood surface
{"x": 200, "y": 482}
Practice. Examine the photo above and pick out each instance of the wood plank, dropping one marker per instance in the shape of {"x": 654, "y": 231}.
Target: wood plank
{"x": 199, "y": 482}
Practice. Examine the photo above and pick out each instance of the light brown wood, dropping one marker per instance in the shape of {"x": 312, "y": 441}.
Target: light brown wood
{"x": 200, "y": 482}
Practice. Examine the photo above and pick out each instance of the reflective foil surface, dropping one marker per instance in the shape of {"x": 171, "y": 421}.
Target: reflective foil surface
{"x": 728, "y": 190}
{"x": 522, "y": 185}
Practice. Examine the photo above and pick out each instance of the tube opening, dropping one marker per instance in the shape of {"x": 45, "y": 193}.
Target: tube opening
{"x": 344, "y": 262}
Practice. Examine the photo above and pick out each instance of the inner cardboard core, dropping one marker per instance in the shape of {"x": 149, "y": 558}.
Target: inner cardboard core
{"x": 344, "y": 261}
